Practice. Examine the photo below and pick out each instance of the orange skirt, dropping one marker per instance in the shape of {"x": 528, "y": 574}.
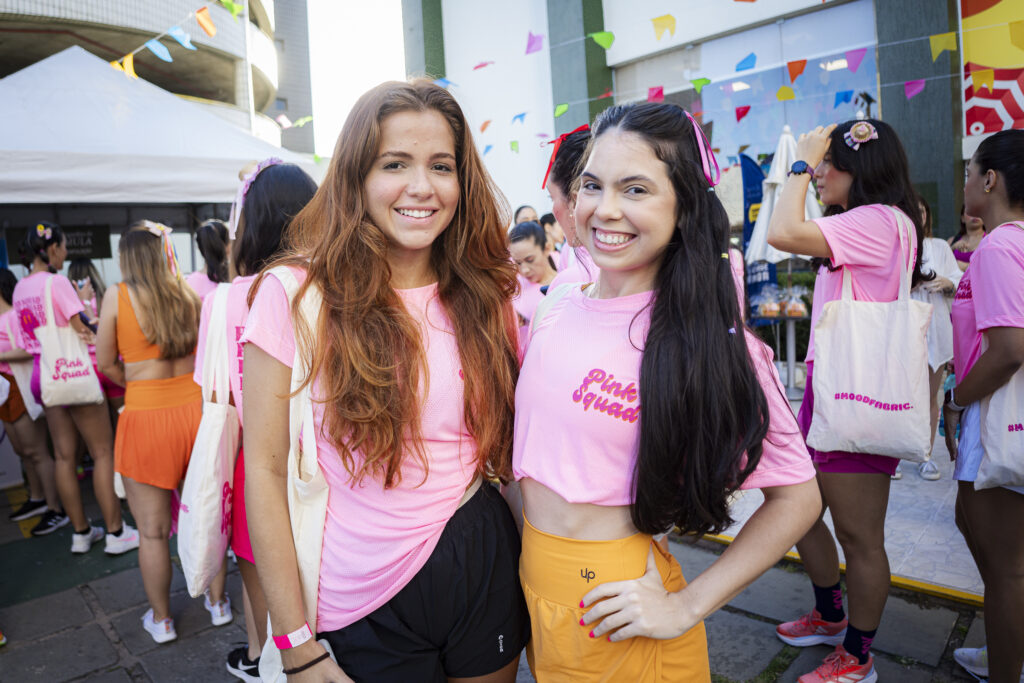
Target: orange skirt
{"x": 157, "y": 429}
{"x": 14, "y": 408}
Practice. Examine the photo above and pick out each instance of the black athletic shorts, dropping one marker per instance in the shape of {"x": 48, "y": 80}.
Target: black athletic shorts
{"x": 462, "y": 615}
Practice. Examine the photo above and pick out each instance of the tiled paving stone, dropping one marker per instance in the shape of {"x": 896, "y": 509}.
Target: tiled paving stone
{"x": 976, "y": 633}
{"x": 114, "y": 676}
{"x": 81, "y": 651}
{"x": 777, "y": 594}
{"x": 193, "y": 659}
{"x": 119, "y": 592}
{"x": 909, "y": 630}
{"x": 740, "y": 647}
{"x": 34, "y": 619}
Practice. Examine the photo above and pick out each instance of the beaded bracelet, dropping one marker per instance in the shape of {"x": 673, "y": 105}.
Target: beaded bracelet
{"x": 308, "y": 665}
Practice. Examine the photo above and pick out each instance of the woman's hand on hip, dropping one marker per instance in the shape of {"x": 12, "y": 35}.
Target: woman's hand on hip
{"x": 951, "y": 420}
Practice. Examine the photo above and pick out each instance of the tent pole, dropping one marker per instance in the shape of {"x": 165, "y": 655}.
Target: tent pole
{"x": 250, "y": 95}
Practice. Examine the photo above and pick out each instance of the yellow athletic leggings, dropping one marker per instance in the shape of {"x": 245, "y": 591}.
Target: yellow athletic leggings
{"x": 557, "y": 572}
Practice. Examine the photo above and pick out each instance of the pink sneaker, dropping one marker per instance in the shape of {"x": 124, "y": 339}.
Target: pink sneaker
{"x": 811, "y": 629}
{"x": 842, "y": 667}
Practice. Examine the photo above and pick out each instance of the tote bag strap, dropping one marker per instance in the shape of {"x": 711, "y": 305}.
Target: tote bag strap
{"x": 51, "y": 321}
{"x": 548, "y": 302}
{"x": 903, "y": 227}
{"x": 215, "y": 354}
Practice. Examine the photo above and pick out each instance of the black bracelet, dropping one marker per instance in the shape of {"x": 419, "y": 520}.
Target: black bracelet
{"x": 308, "y": 665}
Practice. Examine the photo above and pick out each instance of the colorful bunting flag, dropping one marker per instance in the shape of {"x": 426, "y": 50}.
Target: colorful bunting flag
{"x": 607, "y": 93}
{"x": 699, "y": 83}
{"x": 283, "y": 121}
{"x": 443, "y": 82}
{"x": 744, "y": 148}
{"x": 666, "y": 22}
{"x": 482, "y": 65}
{"x": 741, "y": 112}
{"x": 487, "y": 149}
{"x": 232, "y": 7}
{"x": 747, "y": 62}
{"x": 913, "y": 88}
{"x": 603, "y": 38}
{"x": 656, "y": 94}
{"x": 733, "y": 160}
{"x": 159, "y": 49}
{"x": 854, "y": 58}
{"x": 843, "y": 96}
{"x": 785, "y": 93}
{"x": 299, "y": 123}
{"x": 561, "y": 109}
{"x": 129, "y": 65}
{"x": 483, "y": 126}
{"x": 941, "y": 42}
{"x": 796, "y": 68}
{"x": 205, "y": 22}
{"x": 514, "y": 146}
{"x": 1017, "y": 33}
{"x": 317, "y": 158}
{"x": 521, "y": 117}
{"x": 183, "y": 38}
{"x": 117, "y": 65}
{"x": 543, "y": 136}
{"x": 534, "y": 43}
{"x": 983, "y": 78}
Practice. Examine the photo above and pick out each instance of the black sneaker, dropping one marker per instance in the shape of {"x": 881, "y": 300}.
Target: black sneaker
{"x": 240, "y": 666}
{"x": 30, "y": 508}
{"x": 50, "y": 522}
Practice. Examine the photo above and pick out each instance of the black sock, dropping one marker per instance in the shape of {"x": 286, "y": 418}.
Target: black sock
{"x": 80, "y": 533}
{"x": 118, "y": 532}
{"x": 858, "y": 642}
{"x": 829, "y": 602}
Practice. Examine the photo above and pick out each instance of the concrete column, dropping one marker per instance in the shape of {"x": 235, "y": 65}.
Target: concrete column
{"x": 579, "y": 73}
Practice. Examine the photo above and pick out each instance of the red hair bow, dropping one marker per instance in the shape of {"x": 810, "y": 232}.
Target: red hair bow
{"x": 557, "y": 142}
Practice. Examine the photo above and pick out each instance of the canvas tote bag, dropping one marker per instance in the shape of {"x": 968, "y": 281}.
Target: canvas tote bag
{"x": 21, "y": 370}
{"x": 67, "y": 377}
{"x": 1002, "y": 433}
{"x": 204, "y": 517}
{"x": 307, "y": 487}
{"x": 871, "y": 371}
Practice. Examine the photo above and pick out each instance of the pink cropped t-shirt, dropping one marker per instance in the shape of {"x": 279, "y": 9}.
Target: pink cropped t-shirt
{"x": 375, "y": 541}
{"x": 577, "y": 421}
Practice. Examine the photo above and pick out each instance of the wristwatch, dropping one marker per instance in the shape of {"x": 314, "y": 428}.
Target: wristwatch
{"x": 951, "y": 403}
{"x": 799, "y": 167}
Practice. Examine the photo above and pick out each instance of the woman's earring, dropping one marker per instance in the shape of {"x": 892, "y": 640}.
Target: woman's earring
{"x": 987, "y": 190}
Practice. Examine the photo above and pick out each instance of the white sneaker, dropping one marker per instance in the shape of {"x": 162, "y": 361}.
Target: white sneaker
{"x": 128, "y": 540}
{"x": 80, "y": 543}
{"x": 220, "y": 613}
{"x": 163, "y": 631}
{"x": 974, "y": 659}
{"x": 929, "y": 470}
{"x": 898, "y": 474}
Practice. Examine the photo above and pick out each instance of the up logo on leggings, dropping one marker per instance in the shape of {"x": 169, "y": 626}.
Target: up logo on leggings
{"x": 587, "y": 574}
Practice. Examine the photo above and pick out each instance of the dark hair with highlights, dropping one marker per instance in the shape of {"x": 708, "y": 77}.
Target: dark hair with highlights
{"x": 694, "y": 375}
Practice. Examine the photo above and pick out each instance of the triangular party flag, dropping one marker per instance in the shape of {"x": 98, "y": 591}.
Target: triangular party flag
{"x": 482, "y": 65}
{"x": 483, "y": 126}
{"x": 744, "y": 148}
{"x": 183, "y": 38}
{"x": 854, "y": 58}
{"x": 487, "y": 149}
{"x": 205, "y": 22}
{"x": 443, "y": 82}
{"x": 514, "y": 146}
{"x": 941, "y": 42}
{"x": 912, "y": 88}
{"x": 747, "y": 62}
{"x": 232, "y": 7}
{"x": 785, "y": 93}
{"x": 843, "y": 96}
{"x": 983, "y": 78}
{"x": 796, "y": 68}
{"x": 534, "y": 43}
{"x": 317, "y": 158}
{"x": 656, "y": 94}
{"x": 283, "y": 121}
{"x": 666, "y": 22}
{"x": 607, "y": 93}
{"x": 299, "y": 123}
{"x": 159, "y": 49}
{"x": 129, "y": 65}
{"x": 117, "y": 65}
{"x": 741, "y": 112}
{"x": 561, "y": 109}
{"x": 603, "y": 38}
{"x": 1017, "y": 34}
{"x": 699, "y": 83}
{"x": 543, "y": 136}
{"x": 521, "y": 117}
{"x": 733, "y": 160}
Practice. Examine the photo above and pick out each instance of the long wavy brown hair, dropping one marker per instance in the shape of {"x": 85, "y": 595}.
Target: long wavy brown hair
{"x": 367, "y": 352}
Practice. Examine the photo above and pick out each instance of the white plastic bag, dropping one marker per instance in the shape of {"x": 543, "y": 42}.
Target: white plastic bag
{"x": 204, "y": 518}
{"x": 871, "y": 372}
{"x": 66, "y": 377}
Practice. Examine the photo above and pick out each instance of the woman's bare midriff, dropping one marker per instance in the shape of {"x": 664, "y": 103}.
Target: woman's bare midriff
{"x": 552, "y": 514}
{"x": 158, "y": 368}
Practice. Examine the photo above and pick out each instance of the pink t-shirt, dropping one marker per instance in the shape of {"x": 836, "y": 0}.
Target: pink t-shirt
{"x": 575, "y": 265}
{"x": 237, "y": 312}
{"x": 865, "y": 240}
{"x": 997, "y": 272}
{"x": 201, "y": 283}
{"x": 30, "y": 308}
{"x": 529, "y": 297}
{"x": 375, "y": 541}
{"x": 10, "y": 319}
{"x": 578, "y": 411}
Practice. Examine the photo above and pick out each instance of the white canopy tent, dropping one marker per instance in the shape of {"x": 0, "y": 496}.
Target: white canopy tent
{"x": 75, "y": 130}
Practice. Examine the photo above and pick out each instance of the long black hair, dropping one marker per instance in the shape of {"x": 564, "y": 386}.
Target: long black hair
{"x": 274, "y": 198}
{"x": 35, "y": 244}
{"x": 212, "y": 240}
{"x": 1004, "y": 153}
{"x": 881, "y": 175}
{"x": 702, "y": 404}
{"x": 531, "y": 230}
{"x": 565, "y": 169}
{"x": 7, "y": 283}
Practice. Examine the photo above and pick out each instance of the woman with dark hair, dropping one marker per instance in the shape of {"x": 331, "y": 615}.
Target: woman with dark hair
{"x": 212, "y": 241}
{"x": 972, "y": 231}
{"x": 860, "y": 170}
{"x": 532, "y": 253}
{"x": 412, "y": 367}
{"x": 657, "y": 343}
{"x": 524, "y": 213}
{"x": 988, "y": 352}
{"x": 575, "y": 264}
{"x": 43, "y": 252}
{"x": 553, "y": 230}
{"x": 274, "y": 195}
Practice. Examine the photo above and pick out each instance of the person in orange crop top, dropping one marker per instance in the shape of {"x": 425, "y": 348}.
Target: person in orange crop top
{"x": 151, "y": 320}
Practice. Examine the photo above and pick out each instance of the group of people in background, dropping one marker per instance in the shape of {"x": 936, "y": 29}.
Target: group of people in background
{"x": 489, "y": 410}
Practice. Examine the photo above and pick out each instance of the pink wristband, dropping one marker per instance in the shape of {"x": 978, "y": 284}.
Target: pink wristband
{"x": 293, "y": 639}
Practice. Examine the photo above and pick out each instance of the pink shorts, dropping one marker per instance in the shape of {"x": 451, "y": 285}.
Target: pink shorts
{"x": 839, "y": 461}
{"x": 239, "y": 526}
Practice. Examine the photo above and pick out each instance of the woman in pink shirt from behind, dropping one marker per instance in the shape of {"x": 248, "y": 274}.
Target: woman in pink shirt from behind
{"x": 988, "y": 351}
{"x": 212, "y": 241}
{"x": 275, "y": 195}
{"x": 860, "y": 170}
{"x": 413, "y": 360}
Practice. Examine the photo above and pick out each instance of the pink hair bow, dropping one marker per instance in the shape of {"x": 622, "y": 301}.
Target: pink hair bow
{"x": 707, "y": 156}
{"x": 243, "y": 189}
{"x": 164, "y": 233}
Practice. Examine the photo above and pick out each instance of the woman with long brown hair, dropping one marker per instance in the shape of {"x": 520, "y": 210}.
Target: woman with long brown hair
{"x": 413, "y": 364}
{"x": 146, "y": 340}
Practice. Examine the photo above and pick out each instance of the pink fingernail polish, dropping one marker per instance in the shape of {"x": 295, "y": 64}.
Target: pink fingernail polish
{"x": 591, "y": 634}
{"x": 581, "y": 623}
{"x": 581, "y": 604}
{"x": 609, "y": 639}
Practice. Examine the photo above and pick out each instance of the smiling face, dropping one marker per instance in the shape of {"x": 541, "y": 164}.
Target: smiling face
{"x": 833, "y": 185}
{"x": 626, "y": 209}
{"x": 532, "y": 261}
{"x": 412, "y": 189}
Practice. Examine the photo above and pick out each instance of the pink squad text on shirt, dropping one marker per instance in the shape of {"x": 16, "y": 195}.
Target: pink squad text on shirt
{"x": 963, "y": 291}
{"x": 892, "y": 407}
{"x": 614, "y": 389}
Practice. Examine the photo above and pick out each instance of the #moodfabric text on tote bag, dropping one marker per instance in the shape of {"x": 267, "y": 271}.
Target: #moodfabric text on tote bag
{"x": 67, "y": 376}
{"x": 871, "y": 371}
